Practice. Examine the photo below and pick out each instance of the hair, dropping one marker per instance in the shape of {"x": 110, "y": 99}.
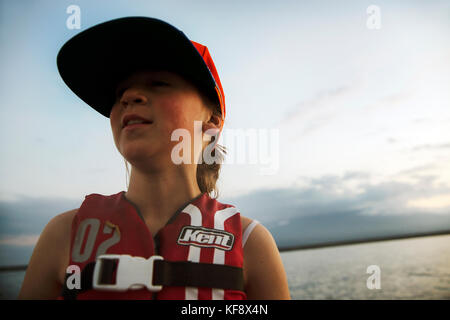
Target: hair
{"x": 207, "y": 174}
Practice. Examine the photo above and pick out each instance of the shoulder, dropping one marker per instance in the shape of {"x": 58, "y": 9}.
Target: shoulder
{"x": 58, "y": 228}
{"x": 258, "y": 240}
{"x": 264, "y": 274}
{"x": 245, "y": 222}
{"x": 61, "y": 220}
{"x": 46, "y": 268}
{"x": 57, "y": 234}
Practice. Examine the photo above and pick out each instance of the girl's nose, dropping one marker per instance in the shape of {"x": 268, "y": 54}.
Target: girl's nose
{"x": 132, "y": 96}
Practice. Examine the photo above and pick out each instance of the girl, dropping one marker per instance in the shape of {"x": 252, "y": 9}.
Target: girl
{"x": 165, "y": 237}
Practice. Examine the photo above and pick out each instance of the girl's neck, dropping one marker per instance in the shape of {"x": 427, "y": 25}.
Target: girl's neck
{"x": 159, "y": 195}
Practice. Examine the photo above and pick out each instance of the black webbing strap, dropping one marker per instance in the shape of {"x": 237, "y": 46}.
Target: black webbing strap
{"x": 190, "y": 274}
{"x": 167, "y": 273}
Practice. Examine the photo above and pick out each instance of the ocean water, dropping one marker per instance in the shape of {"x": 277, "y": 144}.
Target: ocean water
{"x": 417, "y": 268}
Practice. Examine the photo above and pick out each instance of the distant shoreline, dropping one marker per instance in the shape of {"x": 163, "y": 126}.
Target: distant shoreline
{"x": 364, "y": 240}
{"x": 306, "y": 246}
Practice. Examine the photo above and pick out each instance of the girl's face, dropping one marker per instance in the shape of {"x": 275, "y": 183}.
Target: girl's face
{"x": 165, "y": 99}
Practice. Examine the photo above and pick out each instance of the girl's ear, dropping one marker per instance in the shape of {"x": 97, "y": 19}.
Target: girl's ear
{"x": 213, "y": 125}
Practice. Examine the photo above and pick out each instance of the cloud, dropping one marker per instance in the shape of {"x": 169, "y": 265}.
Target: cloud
{"x": 349, "y": 207}
{"x": 416, "y": 170}
{"x": 316, "y": 112}
{"x": 26, "y": 215}
{"x": 342, "y": 104}
{"x": 391, "y": 140}
{"x": 326, "y": 207}
{"x": 320, "y": 99}
{"x": 349, "y": 192}
{"x": 20, "y": 241}
{"x": 386, "y": 102}
{"x": 431, "y": 147}
{"x": 434, "y": 202}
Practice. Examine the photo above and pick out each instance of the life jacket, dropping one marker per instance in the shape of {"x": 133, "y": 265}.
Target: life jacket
{"x": 203, "y": 232}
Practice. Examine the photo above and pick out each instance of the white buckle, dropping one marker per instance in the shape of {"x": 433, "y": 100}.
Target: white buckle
{"x": 132, "y": 273}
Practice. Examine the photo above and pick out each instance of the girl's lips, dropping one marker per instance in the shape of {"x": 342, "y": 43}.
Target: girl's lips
{"x": 133, "y": 116}
{"x": 135, "y": 126}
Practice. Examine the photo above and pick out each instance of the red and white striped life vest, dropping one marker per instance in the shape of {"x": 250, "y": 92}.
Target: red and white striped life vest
{"x": 203, "y": 231}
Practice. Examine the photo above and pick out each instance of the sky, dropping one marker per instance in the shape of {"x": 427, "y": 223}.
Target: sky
{"x": 345, "y": 115}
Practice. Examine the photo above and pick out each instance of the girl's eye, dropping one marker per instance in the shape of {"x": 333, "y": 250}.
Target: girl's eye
{"x": 156, "y": 83}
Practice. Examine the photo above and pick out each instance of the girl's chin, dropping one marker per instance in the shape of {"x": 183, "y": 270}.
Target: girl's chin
{"x": 139, "y": 154}
{"x": 129, "y": 151}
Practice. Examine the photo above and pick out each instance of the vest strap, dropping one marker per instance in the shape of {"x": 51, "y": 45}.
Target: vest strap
{"x": 165, "y": 273}
{"x": 191, "y": 274}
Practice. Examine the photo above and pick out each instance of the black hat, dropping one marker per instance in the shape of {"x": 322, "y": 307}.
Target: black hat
{"x": 95, "y": 60}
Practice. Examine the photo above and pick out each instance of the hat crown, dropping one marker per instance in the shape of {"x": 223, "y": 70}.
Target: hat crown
{"x": 204, "y": 52}
{"x": 91, "y": 63}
